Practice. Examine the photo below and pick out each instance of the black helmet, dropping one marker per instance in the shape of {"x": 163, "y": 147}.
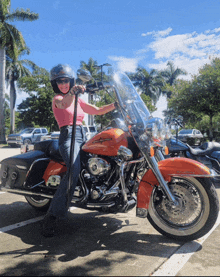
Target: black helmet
{"x": 61, "y": 71}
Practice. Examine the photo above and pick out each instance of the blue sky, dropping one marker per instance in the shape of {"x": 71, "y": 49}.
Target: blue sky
{"x": 122, "y": 33}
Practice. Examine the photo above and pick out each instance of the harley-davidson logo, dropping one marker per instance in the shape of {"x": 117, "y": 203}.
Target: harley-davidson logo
{"x": 101, "y": 140}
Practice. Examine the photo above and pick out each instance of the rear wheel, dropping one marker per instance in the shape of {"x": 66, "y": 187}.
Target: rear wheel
{"x": 38, "y": 202}
{"x": 195, "y": 214}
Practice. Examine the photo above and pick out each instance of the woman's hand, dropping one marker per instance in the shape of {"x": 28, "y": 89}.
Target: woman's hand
{"x": 77, "y": 89}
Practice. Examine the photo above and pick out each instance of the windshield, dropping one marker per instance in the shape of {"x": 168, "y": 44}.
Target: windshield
{"x": 27, "y": 131}
{"x": 133, "y": 107}
{"x": 185, "y": 132}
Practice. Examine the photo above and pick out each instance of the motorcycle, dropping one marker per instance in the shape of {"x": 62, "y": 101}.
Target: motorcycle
{"x": 208, "y": 153}
{"x": 122, "y": 167}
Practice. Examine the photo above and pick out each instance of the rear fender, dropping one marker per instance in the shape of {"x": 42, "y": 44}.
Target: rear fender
{"x": 172, "y": 167}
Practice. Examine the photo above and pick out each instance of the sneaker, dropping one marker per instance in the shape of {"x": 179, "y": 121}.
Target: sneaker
{"x": 49, "y": 225}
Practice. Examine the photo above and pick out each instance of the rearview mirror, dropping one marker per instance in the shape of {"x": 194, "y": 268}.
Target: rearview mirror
{"x": 84, "y": 75}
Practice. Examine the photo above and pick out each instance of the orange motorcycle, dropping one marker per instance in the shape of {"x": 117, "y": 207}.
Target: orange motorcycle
{"x": 122, "y": 167}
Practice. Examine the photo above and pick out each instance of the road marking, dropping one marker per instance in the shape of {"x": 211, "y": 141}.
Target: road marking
{"x": 2, "y": 192}
{"x": 20, "y": 224}
{"x": 24, "y": 223}
{"x": 173, "y": 265}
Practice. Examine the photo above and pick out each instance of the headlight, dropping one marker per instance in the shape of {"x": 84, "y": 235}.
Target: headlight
{"x": 155, "y": 131}
{"x": 18, "y": 138}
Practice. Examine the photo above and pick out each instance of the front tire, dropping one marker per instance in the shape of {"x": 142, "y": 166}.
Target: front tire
{"x": 27, "y": 141}
{"x": 38, "y": 202}
{"x": 196, "y": 213}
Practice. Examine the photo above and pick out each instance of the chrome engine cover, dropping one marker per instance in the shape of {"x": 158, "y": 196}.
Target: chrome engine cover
{"x": 53, "y": 181}
{"x": 98, "y": 166}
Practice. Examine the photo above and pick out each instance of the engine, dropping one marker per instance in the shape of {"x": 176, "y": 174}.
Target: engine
{"x": 98, "y": 166}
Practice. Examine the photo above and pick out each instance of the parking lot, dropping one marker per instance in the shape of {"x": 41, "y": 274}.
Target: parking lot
{"x": 96, "y": 244}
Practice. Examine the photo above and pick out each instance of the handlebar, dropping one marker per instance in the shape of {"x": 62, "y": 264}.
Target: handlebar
{"x": 94, "y": 87}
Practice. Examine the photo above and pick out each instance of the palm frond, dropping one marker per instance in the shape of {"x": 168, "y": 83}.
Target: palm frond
{"x": 21, "y": 14}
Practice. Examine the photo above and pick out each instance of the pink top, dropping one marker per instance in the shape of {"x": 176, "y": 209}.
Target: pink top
{"x": 65, "y": 116}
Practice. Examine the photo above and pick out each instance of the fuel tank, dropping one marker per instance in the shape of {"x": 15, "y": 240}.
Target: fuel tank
{"x": 107, "y": 142}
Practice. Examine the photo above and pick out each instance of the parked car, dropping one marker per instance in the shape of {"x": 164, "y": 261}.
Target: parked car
{"x": 27, "y": 136}
{"x": 191, "y": 136}
{"x": 51, "y": 135}
{"x": 89, "y": 129}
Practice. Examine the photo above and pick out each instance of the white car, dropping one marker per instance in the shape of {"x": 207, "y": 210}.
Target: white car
{"x": 190, "y": 134}
{"x": 89, "y": 129}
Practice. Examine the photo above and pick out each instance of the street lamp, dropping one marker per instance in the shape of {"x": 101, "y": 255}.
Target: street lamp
{"x": 101, "y": 66}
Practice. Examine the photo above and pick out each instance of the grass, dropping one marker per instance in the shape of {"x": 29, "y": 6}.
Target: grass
{"x": 3, "y": 145}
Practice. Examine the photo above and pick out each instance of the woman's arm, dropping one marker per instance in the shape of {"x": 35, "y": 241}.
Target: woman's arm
{"x": 64, "y": 102}
{"x": 93, "y": 110}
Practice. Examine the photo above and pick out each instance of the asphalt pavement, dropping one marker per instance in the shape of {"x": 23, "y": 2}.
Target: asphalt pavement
{"x": 91, "y": 243}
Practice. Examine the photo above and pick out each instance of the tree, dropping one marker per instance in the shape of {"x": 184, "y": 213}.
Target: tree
{"x": 90, "y": 66}
{"x": 37, "y": 108}
{"x": 148, "y": 83}
{"x": 200, "y": 96}
{"x": 15, "y": 69}
{"x": 10, "y": 40}
{"x": 170, "y": 76}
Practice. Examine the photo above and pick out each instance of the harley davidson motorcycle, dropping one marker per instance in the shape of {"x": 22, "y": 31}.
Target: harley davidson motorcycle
{"x": 122, "y": 167}
{"x": 207, "y": 153}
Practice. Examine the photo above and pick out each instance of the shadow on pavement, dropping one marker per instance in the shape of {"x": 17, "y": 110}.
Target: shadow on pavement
{"x": 101, "y": 239}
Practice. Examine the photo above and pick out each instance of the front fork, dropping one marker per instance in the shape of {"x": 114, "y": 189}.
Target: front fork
{"x": 154, "y": 166}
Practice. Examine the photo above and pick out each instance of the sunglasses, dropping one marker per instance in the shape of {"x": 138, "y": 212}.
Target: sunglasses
{"x": 62, "y": 81}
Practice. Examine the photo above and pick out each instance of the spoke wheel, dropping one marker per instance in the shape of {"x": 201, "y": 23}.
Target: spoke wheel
{"x": 196, "y": 212}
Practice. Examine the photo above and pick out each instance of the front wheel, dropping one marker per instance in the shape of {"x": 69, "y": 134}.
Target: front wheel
{"x": 27, "y": 141}
{"x": 195, "y": 214}
{"x": 38, "y": 202}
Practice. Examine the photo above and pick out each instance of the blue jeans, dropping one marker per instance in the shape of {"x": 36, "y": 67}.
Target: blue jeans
{"x": 58, "y": 206}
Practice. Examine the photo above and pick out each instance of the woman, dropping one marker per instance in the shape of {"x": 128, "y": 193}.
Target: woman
{"x": 63, "y": 83}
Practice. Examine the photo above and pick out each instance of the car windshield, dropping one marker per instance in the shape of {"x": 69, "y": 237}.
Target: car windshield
{"x": 185, "y": 132}
{"x": 92, "y": 129}
{"x": 27, "y": 131}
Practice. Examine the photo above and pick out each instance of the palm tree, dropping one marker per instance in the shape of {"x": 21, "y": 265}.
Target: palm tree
{"x": 148, "y": 83}
{"x": 170, "y": 75}
{"x": 16, "y": 69}
{"x": 11, "y": 40}
{"x": 90, "y": 66}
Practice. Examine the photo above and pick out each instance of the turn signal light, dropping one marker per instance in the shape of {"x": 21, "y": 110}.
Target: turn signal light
{"x": 166, "y": 150}
{"x": 152, "y": 152}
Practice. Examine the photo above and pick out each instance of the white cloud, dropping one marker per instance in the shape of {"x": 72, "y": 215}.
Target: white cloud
{"x": 189, "y": 51}
{"x": 125, "y": 64}
{"x": 162, "y": 33}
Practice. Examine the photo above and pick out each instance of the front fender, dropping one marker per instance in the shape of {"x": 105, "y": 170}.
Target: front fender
{"x": 172, "y": 167}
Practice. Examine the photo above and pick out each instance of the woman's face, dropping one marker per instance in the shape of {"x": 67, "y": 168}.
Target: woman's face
{"x": 63, "y": 84}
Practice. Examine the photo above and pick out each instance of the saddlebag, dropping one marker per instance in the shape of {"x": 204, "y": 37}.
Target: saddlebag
{"x": 14, "y": 170}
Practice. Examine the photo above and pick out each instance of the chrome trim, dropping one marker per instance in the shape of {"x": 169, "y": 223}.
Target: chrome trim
{"x": 25, "y": 192}
{"x": 195, "y": 175}
{"x": 42, "y": 159}
{"x": 100, "y": 205}
{"x": 21, "y": 167}
{"x": 162, "y": 182}
{"x": 140, "y": 212}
